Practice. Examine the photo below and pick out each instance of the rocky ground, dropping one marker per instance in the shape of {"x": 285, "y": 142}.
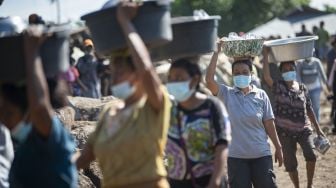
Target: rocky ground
{"x": 80, "y": 119}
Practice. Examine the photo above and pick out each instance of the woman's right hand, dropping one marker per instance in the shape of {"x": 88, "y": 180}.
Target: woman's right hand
{"x": 219, "y": 43}
{"x": 126, "y": 11}
{"x": 33, "y": 39}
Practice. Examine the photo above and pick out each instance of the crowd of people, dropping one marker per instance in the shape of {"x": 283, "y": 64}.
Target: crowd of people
{"x": 165, "y": 134}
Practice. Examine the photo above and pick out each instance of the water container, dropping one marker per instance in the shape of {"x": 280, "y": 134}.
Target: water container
{"x": 192, "y": 36}
{"x": 152, "y": 22}
{"x": 54, "y": 53}
{"x": 322, "y": 144}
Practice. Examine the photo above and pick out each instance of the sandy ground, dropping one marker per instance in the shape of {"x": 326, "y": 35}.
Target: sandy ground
{"x": 325, "y": 173}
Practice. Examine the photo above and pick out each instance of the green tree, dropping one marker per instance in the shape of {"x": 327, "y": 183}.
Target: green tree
{"x": 237, "y": 15}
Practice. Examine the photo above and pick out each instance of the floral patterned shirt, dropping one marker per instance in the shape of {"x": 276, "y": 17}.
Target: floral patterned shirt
{"x": 202, "y": 129}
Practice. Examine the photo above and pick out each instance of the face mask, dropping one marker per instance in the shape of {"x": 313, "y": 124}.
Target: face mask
{"x": 289, "y": 76}
{"x": 180, "y": 90}
{"x": 123, "y": 90}
{"x": 242, "y": 81}
{"x": 21, "y": 131}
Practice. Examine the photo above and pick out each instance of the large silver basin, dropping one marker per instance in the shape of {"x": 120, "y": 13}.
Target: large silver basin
{"x": 291, "y": 49}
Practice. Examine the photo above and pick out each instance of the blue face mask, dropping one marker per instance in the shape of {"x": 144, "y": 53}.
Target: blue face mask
{"x": 123, "y": 90}
{"x": 289, "y": 76}
{"x": 180, "y": 90}
{"x": 242, "y": 81}
{"x": 21, "y": 131}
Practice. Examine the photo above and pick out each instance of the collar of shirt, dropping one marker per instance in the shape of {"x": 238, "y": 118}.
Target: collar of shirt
{"x": 253, "y": 90}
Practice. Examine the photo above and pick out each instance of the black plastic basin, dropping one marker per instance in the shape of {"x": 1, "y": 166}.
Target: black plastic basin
{"x": 54, "y": 54}
{"x": 191, "y": 37}
{"x": 152, "y": 23}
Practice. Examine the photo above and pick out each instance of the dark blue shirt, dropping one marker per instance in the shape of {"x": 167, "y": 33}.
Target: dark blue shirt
{"x": 40, "y": 162}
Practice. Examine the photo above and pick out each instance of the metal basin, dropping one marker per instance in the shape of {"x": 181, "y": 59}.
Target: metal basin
{"x": 152, "y": 23}
{"x": 291, "y": 49}
{"x": 54, "y": 53}
{"x": 191, "y": 36}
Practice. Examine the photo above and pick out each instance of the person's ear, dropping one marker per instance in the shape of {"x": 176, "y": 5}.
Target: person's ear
{"x": 195, "y": 81}
{"x": 135, "y": 78}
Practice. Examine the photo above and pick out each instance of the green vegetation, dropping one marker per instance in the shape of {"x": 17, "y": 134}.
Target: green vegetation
{"x": 237, "y": 15}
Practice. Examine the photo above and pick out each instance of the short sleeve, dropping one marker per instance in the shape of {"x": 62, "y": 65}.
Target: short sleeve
{"x": 221, "y": 123}
{"x": 166, "y": 111}
{"x": 223, "y": 92}
{"x": 59, "y": 141}
{"x": 267, "y": 109}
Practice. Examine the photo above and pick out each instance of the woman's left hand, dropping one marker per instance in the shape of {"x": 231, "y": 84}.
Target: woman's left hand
{"x": 278, "y": 156}
{"x": 320, "y": 133}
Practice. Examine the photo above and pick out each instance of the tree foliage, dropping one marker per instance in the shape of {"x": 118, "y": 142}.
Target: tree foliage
{"x": 237, "y": 15}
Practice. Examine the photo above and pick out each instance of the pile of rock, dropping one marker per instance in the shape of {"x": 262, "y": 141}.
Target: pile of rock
{"x": 80, "y": 119}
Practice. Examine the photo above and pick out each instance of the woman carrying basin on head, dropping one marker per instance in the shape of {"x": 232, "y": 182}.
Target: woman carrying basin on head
{"x": 44, "y": 149}
{"x": 252, "y": 122}
{"x": 129, "y": 141}
{"x": 294, "y": 114}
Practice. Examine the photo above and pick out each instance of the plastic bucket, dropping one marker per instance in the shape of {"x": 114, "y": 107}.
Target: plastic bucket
{"x": 191, "y": 36}
{"x": 54, "y": 53}
{"x": 152, "y": 23}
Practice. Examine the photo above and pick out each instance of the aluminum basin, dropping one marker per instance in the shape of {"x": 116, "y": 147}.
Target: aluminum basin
{"x": 291, "y": 49}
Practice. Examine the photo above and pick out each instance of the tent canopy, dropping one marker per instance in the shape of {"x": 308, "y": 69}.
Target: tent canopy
{"x": 290, "y": 24}
{"x": 275, "y": 27}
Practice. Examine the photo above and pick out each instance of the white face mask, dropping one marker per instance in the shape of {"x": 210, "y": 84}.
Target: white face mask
{"x": 123, "y": 90}
{"x": 180, "y": 90}
{"x": 21, "y": 131}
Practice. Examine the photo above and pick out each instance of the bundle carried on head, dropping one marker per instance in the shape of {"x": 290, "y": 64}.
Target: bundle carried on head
{"x": 242, "y": 47}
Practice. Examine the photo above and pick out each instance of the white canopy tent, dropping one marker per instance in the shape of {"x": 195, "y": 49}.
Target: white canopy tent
{"x": 283, "y": 28}
{"x": 275, "y": 27}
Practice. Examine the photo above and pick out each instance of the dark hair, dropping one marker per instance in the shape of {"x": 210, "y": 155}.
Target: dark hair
{"x": 17, "y": 94}
{"x": 247, "y": 62}
{"x": 286, "y": 62}
{"x": 191, "y": 68}
{"x": 333, "y": 42}
{"x": 303, "y": 26}
{"x": 35, "y": 19}
{"x": 321, "y": 23}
